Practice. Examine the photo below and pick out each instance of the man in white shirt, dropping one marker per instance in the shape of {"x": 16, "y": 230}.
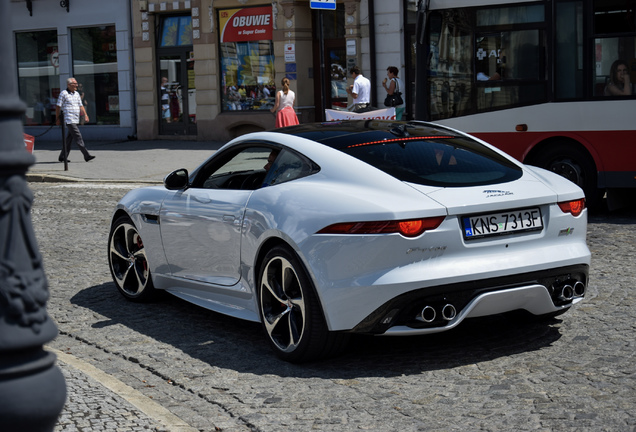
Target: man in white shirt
{"x": 360, "y": 91}
{"x": 71, "y": 104}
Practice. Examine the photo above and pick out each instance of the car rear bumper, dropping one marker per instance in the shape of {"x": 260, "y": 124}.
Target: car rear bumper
{"x": 437, "y": 309}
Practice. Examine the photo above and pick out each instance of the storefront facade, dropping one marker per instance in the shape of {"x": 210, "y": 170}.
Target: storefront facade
{"x": 88, "y": 39}
{"x": 221, "y": 81}
{"x": 204, "y": 69}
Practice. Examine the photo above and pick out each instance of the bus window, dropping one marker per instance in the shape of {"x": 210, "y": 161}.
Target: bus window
{"x": 568, "y": 58}
{"x": 510, "y": 15}
{"x": 450, "y": 69}
{"x": 509, "y": 69}
{"x": 614, "y": 57}
{"x": 614, "y": 16}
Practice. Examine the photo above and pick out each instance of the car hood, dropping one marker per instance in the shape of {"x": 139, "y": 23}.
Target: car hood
{"x": 527, "y": 191}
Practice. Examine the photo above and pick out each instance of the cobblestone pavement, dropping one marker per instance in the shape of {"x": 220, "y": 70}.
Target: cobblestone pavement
{"x": 574, "y": 373}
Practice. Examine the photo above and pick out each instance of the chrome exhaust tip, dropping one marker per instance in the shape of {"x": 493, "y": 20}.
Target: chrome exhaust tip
{"x": 449, "y": 312}
{"x": 579, "y": 289}
{"x": 567, "y": 293}
{"x": 428, "y": 314}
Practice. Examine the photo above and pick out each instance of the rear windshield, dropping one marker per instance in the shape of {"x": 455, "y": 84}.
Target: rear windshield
{"x": 436, "y": 161}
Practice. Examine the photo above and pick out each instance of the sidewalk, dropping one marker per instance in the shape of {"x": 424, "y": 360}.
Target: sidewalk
{"x": 95, "y": 399}
{"x": 123, "y": 161}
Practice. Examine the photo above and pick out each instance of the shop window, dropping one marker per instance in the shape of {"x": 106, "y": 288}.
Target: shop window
{"x": 94, "y": 52}
{"x": 247, "y": 59}
{"x": 38, "y": 75}
{"x": 176, "y": 31}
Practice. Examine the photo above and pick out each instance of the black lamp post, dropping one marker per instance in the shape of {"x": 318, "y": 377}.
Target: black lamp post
{"x": 32, "y": 388}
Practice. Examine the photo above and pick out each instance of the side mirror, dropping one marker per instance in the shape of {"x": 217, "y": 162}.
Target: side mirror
{"x": 177, "y": 180}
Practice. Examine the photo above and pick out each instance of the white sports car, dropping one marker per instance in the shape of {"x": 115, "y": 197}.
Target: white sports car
{"x": 377, "y": 227}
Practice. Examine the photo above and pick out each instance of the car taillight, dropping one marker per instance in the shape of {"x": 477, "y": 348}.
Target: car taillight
{"x": 575, "y": 207}
{"x": 408, "y": 228}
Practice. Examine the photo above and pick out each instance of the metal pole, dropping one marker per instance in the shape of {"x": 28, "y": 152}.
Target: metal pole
{"x": 63, "y": 140}
{"x": 32, "y": 388}
{"x": 324, "y": 72}
{"x": 421, "y": 65}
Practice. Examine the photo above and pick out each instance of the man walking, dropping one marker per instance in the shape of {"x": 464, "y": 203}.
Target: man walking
{"x": 360, "y": 90}
{"x": 70, "y": 102}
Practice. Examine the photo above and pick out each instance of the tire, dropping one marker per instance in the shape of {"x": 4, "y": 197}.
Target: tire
{"x": 575, "y": 165}
{"x": 128, "y": 262}
{"x": 290, "y": 310}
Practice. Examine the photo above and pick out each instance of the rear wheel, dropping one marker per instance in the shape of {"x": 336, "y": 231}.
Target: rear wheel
{"x": 128, "y": 262}
{"x": 290, "y": 310}
{"x": 575, "y": 165}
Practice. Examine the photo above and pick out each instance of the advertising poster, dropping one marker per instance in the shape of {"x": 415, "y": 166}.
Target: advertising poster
{"x": 246, "y": 24}
{"x": 245, "y": 61}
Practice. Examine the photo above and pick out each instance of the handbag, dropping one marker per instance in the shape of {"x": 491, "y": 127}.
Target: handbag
{"x": 395, "y": 99}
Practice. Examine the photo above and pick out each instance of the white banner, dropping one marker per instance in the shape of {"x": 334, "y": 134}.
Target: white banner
{"x": 381, "y": 114}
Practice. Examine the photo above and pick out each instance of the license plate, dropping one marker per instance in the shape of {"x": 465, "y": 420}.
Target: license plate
{"x": 495, "y": 224}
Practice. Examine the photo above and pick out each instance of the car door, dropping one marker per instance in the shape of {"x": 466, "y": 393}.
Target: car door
{"x": 201, "y": 234}
{"x": 201, "y": 226}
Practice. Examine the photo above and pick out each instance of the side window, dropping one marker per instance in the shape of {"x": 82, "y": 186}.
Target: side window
{"x": 509, "y": 69}
{"x": 449, "y": 64}
{"x": 614, "y": 48}
{"x": 509, "y": 57}
{"x": 288, "y": 166}
{"x": 615, "y": 67}
{"x": 253, "y": 167}
{"x": 243, "y": 169}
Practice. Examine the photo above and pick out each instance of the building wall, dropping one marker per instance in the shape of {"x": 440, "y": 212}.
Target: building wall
{"x": 389, "y": 45}
{"x": 292, "y": 25}
{"x": 49, "y": 15}
{"x": 136, "y": 26}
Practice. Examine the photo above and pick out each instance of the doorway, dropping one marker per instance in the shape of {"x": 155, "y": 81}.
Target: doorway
{"x": 330, "y": 61}
{"x": 177, "y": 93}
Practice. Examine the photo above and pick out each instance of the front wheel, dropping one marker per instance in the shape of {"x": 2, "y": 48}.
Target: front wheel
{"x": 290, "y": 310}
{"x": 128, "y": 261}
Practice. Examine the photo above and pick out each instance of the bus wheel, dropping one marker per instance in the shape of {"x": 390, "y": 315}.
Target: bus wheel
{"x": 575, "y": 165}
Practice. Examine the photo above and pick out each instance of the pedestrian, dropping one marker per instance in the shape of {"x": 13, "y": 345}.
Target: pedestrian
{"x": 70, "y": 102}
{"x": 360, "y": 90}
{"x": 619, "y": 80}
{"x": 284, "y": 106}
{"x": 165, "y": 100}
{"x": 395, "y": 87}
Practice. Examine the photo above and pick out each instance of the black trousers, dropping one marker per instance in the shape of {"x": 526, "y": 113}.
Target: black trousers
{"x": 74, "y": 134}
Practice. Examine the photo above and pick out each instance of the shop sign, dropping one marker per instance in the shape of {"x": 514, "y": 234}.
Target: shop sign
{"x": 290, "y": 53}
{"x": 247, "y": 24}
{"x": 323, "y": 4}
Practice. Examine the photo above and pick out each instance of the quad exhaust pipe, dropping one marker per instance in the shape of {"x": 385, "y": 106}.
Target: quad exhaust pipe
{"x": 428, "y": 313}
{"x": 566, "y": 293}
{"x": 449, "y": 312}
{"x": 569, "y": 290}
{"x": 579, "y": 289}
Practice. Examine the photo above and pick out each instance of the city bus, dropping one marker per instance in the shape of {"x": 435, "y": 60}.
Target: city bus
{"x": 552, "y": 83}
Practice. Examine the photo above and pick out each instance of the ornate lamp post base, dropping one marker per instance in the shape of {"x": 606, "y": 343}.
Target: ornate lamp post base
{"x": 32, "y": 388}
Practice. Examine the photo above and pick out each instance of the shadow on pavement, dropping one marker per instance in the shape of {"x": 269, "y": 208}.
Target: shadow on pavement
{"x": 239, "y": 345}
